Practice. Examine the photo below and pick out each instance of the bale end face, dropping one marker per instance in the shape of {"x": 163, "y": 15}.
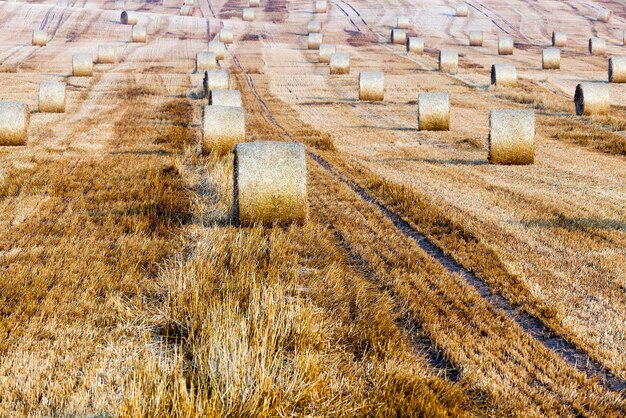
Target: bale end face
{"x": 106, "y": 54}
{"x": 433, "y": 111}
{"x": 398, "y": 36}
{"x": 592, "y": 99}
{"x": 139, "y": 34}
{"x": 321, "y": 6}
{"x": 476, "y": 38}
{"x": 505, "y": 45}
{"x": 247, "y": 14}
{"x": 226, "y": 36}
{"x": 617, "y": 69}
{"x": 559, "y": 39}
{"x": 82, "y": 65}
{"x": 51, "y": 97}
{"x": 40, "y": 37}
{"x": 230, "y": 98}
{"x": 503, "y": 75}
{"x": 462, "y": 10}
{"x": 339, "y": 63}
{"x": 326, "y": 50}
{"x": 270, "y": 183}
{"x": 551, "y": 59}
{"x": 448, "y": 61}
{"x": 512, "y": 137}
{"x": 14, "y": 122}
{"x": 222, "y": 128}
{"x": 597, "y": 46}
{"x": 415, "y": 45}
{"x": 371, "y": 85}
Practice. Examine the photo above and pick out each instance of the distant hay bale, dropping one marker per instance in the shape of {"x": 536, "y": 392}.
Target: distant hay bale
{"x": 592, "y": 99}
{"x": 215, "y": 80}
{"x": 339, "y": 63}
{"x": 270, "y": 183}
{"x": 433, "y": 111}
{"x": 503, "y": 75}
{"x": 505, "y": 45}
{"x": 597, "y": 46}
{"x": 193, "y": 3}
{"x": 14, "y": 122}
{"x": 139, "y": 34}
{"x": 40, "y": 37}
{"x": 398, "y": 36}
{"x": 462, "y": 10}
{"x": 315, "y": 40}
{"x": 226, "y": 36}
{"x": 415, "y": 45}
{"x": 617, "y": 69}
{"x": 476, "y": 38}
{"x": 314, "y": 26}
{"x": 605, "y": 15}
{"x": 403, "y": 22}
{"x": 371, "y": 85}
{"x": 247, "y": 14}
{"x": 129, "y": 18}
{"x": 51, "y": 97}
{"x": 106, "y": 54}
{"x": 321, "y": 6}
{"x": 559, "y": 39}
{"x": 448, "y": 61}
{"x": 222, "y": 128}
{"x": 551, "y": 59}
{"x": 225, "y": 98}
{"x": 218, "y": 48}
{"x": 186, "y": 10}
{"x": 326, "y": 50}
{"x": 82, "y": 65}
{"x": 512, "y": 137}
{"x": 254, "y": 3}
{"x": 205, "y": 61}
{"x": 120, "y": 4}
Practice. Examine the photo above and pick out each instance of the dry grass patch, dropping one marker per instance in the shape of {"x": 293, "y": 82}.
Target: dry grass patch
{"x": 578, "y": 131}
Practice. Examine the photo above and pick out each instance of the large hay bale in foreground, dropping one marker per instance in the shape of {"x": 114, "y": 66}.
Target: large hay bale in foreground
{"x": 139, "y": 34}
{"x": 403, "y": 22}
{"x": 218, "y": 48}
{"x": 512, "y": 136}
{"x": 605, "y": 15}
{"x": 51, "y": 97}
{"x": 222, "y": 128}
{"x": 597, "y": 46}
{"x": 314, "y": 40}
{"x": 247, "y": 14}
{"x": 339, "y": 63}
{"x": 205, "y": 61}
{"x": 372, "y": 85}
{"x": 215, "y": 80}
{"x": 505, "y": 45}
{"x": 476, "y": 38}
{"x": 226, "y": 36}
{"x": 551, "y": 59}
{"x": 398, "y": 36}
{"x": 462, "y": 10}
{"x": 415, "y": 45}
{"x": 14, "y": 122}
{"x": 129, "y": 17}
{"x": 617, "y": 69}
{"x": 186, "y": 10}
{"x": 503, "y": 75}
{"x": 448, "y": 61}
{"x": 326, "y": 50}
{"x": 314, "y": 26}
{"x": 225, "y": 98}
{"x": 433, "y": 111}
{"x": 106, "y": 54}
{"x": 82, "y": 65}
{"x": 321, "y": 6}
{"x": 559, "y": 39}
{"x": 592, "y": 99}
{"x": 270, "y": 183}
{"x": 40, "y": 37}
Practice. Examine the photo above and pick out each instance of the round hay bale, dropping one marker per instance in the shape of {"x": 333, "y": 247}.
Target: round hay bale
{"x": 226, "y": 36}
{"x": 326, "y": 50}
{"x": 106, "y": 54}
{"x": 505, "y": 45}
{"x": 215, "y": 80}
{"x": 14, "y": 122}
{"x": 314, "y": 41}
{"x": 254, "y": 3}
{"x": 314, "y": 26}
{"x": 247, "y": 14}
{"x": 559, "y": 39}
{"x": 270, "y": 183}
{"x": 193, "y": 3}
{"x": 372, "y": 86}
{"x": 462, "y": 10}
{"x": 448, "y": 61}
{"x": 398, "y": 36}
{"x": 186, "y": 10}
{"x": 51, "y": 97}
{"x": 617, "y": 69}
{"x": 40, "y": 37}
{"x": 321, "y": 6}
{"x": 415, "y": 45}
{"x": 403, "y": 22}
{"x": 512, "y": 136}
{"x": 120, "y": 4}
{"x": 597, "y": 46}
{"x": 222, "y": 128}
{"x": 225, "y": 98}
{"x": 138, "y": 34}
{"x": 339, "y": 63}
{"x": 218, "y": 48}
{"x": 605, "y": 15}
{"x": 503, "y": 75}
{"x": 433, "y": 111}
{"x": 82, "y": 65}
{"x": 551, "y": 59}
{"x": 129, "y": 18}
{"x": 205, "y": 61}
{"x": 592, "y": 99}
{"x": 476, "y": 38}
